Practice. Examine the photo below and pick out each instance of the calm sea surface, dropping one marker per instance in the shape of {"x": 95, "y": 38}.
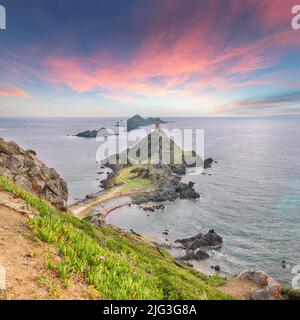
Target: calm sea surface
{"x": 251, "y": 198}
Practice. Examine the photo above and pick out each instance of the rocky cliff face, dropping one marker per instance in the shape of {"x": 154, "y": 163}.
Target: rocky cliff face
{"x": 24, "y": 168}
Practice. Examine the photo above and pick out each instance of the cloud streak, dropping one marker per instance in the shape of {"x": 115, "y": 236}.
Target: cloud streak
{"x": 278, "y": 104}
{"x": 13, "y": 92}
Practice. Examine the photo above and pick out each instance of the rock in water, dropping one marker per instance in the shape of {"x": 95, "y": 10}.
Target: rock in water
{"x": 198, "y": 255}
{"x": 210, "y": 239}
{"x": 26, "y": 170}
{"x": 208, "y": 163}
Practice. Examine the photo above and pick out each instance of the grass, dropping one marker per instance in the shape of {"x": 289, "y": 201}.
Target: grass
{"x": 129, "y": 180}
{"x": 117, "y": 265}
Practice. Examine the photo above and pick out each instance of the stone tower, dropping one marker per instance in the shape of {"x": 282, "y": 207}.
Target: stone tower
{"x": 157, "y": 125}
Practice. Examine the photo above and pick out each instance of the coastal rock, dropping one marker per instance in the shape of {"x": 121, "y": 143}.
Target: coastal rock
{"x": 24, "y": 168}
{"x": 151, "y": 209}
{"x": 269, "y": 289}
{"x": 198, "y": 255}
{"x": 217, "y": 268}
{"x": 169, "y": 188}
{"x": 106, "y": 183}
{"x": 180, "y": 170}
{"x": 208, "y": 163}
{"x": 186, "y": 191}
{"x": 210, "y": 239}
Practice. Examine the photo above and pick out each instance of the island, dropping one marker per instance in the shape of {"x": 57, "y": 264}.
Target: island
{"x": 138, "y": 121}
{"x": 144, "y": 178}
{"x": 103, "y": 132}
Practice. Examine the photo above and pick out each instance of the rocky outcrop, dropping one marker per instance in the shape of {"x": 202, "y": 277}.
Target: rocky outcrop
{"x": 210, "y": 239}
{"x": 98, "y": 220}
{"x": 24, "y": 168}
{"x": 137, "y": 121}
{"x": 169, "y": 187}
{"x": 268, "y": 289}
{"x": 197, "y": 255}
{"x": 208, "y": 163}
{"x": 103, "y": 132}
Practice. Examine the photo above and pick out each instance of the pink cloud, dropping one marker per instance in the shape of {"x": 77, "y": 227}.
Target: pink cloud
{"x": 182, "y": 57}
{"x": 13, "y": 92}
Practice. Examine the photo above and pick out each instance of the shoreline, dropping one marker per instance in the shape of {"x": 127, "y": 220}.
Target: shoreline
{"x": 113, "y": 198}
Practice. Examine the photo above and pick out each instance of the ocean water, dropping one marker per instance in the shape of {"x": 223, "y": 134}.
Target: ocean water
{"x": 251, "y": 196}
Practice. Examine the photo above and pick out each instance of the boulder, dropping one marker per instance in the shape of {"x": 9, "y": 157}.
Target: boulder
{"x": 25, "y": 169}
{"x": 179, "y": 169}
{"x": 208, "y": 163}
{"x": 198, "y": 255}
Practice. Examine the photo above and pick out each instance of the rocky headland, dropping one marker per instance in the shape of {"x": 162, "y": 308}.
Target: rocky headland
{"x": 24, "y": 168}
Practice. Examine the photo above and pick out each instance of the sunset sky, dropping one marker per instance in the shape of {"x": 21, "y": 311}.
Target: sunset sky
{"x": 153, "y": 57}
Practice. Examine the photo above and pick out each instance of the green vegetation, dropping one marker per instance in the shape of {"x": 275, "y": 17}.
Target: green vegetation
{"x": 291, "y": 294}
{"x": 117, "y": 265}
{"x": 130, "y": 180}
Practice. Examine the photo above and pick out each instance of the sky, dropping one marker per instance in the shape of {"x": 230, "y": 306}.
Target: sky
{"x": 152, "y": 57}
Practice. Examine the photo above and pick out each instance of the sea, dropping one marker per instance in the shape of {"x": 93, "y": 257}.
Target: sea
{"x": 250, "y": 196}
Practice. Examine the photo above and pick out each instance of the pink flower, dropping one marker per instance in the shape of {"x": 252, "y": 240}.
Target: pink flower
{"x": 102, "y": 258}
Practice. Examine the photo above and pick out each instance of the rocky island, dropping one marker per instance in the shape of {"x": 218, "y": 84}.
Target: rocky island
{"x": 144, "y": 178}
{"x": 103, "y": 132}
{"x": 137, "y": 121}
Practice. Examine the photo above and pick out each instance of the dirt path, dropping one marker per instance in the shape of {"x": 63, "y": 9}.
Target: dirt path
{"x": 239, "y": 288}
{"x": 24, "y": 258}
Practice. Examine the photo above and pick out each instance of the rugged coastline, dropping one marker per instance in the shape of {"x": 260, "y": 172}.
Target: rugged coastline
{"x": 49, "y": 224}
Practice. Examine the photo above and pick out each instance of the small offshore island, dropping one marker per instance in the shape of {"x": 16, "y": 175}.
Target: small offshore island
{"x": 133, "y": 123}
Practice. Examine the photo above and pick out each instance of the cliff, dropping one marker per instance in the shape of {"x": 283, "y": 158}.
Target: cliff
{"x": 24, "y": 168}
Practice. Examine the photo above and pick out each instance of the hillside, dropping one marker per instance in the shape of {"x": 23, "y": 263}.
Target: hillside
{"x": 24, "y": 168}
{"x": 73, "y": 259}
